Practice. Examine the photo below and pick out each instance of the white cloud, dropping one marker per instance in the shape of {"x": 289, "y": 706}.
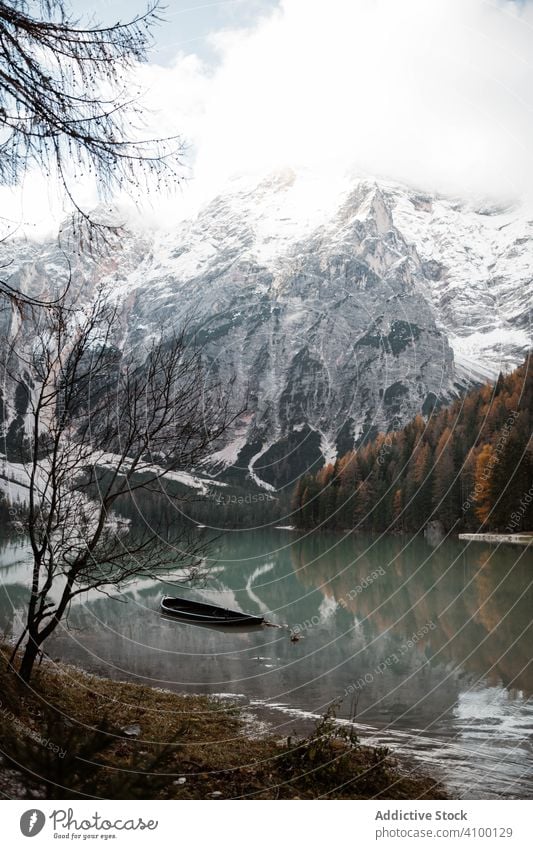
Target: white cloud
{"x": 439, "y": 94}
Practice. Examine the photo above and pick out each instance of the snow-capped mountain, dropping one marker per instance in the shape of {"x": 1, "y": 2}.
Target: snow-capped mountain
{"x": 339, "y": 310}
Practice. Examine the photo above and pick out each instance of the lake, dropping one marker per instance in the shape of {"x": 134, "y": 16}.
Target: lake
{"x": 427, "y": 645}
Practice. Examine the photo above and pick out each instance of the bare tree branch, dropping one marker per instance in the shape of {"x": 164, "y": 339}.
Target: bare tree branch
{"x": 106, "y": 423}
{"x": 67, "y": 106}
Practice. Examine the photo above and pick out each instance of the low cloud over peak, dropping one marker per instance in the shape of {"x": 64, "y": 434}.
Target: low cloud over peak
{"x": 439, "y": 94}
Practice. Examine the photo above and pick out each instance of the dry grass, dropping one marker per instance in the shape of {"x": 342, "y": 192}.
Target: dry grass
{"x": 185, "y": 747}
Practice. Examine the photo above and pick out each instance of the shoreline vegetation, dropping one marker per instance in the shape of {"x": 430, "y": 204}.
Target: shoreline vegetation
{"x": 77, "y": 735}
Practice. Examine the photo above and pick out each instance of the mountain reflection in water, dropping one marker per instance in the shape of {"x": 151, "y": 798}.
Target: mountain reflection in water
{"x": 431, "y": 646}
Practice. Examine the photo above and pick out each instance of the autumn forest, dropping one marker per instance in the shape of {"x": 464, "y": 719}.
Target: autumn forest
{"x": 469, "y": 467}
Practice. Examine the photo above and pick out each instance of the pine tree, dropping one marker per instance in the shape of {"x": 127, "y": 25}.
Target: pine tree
{"x": 445, "y": 488}
{"x": 483, "y": 483}
{"x": 397, "y": 506}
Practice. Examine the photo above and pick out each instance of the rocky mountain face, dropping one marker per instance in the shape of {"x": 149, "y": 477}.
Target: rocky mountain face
{"x": 337, "y": 313}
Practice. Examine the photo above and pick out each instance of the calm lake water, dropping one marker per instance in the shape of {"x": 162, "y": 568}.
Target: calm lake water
{"x": 430, "y": 645}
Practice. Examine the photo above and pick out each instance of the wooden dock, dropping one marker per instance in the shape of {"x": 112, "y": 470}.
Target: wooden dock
{"x": 499, "y": 539}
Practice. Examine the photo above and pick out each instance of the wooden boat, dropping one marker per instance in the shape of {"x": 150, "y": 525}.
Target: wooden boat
{"x": 207, "y": 614}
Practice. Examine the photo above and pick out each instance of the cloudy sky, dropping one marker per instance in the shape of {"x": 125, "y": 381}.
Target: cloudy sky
{"x": 188, "y": 24}
{"x": 435, "y": 93}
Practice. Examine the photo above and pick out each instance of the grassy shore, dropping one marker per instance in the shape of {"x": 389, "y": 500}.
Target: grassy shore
{"x": 75, "y": 735}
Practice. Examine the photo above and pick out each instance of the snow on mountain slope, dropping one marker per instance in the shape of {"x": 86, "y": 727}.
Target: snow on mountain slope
{"x": 338, "y": 309}
{"x": 479, "y": 260}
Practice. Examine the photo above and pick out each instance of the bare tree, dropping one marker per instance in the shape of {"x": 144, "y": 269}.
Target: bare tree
{"x": 104, "y": 423}
{"x": 67, "y": 106}
{"x": 64, "y": 97}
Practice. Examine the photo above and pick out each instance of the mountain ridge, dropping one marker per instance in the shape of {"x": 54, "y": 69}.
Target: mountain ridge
{"x": 337, "y": 313}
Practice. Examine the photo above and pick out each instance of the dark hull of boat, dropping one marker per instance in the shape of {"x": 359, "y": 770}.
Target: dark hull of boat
{"x": 206, "y": 614}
